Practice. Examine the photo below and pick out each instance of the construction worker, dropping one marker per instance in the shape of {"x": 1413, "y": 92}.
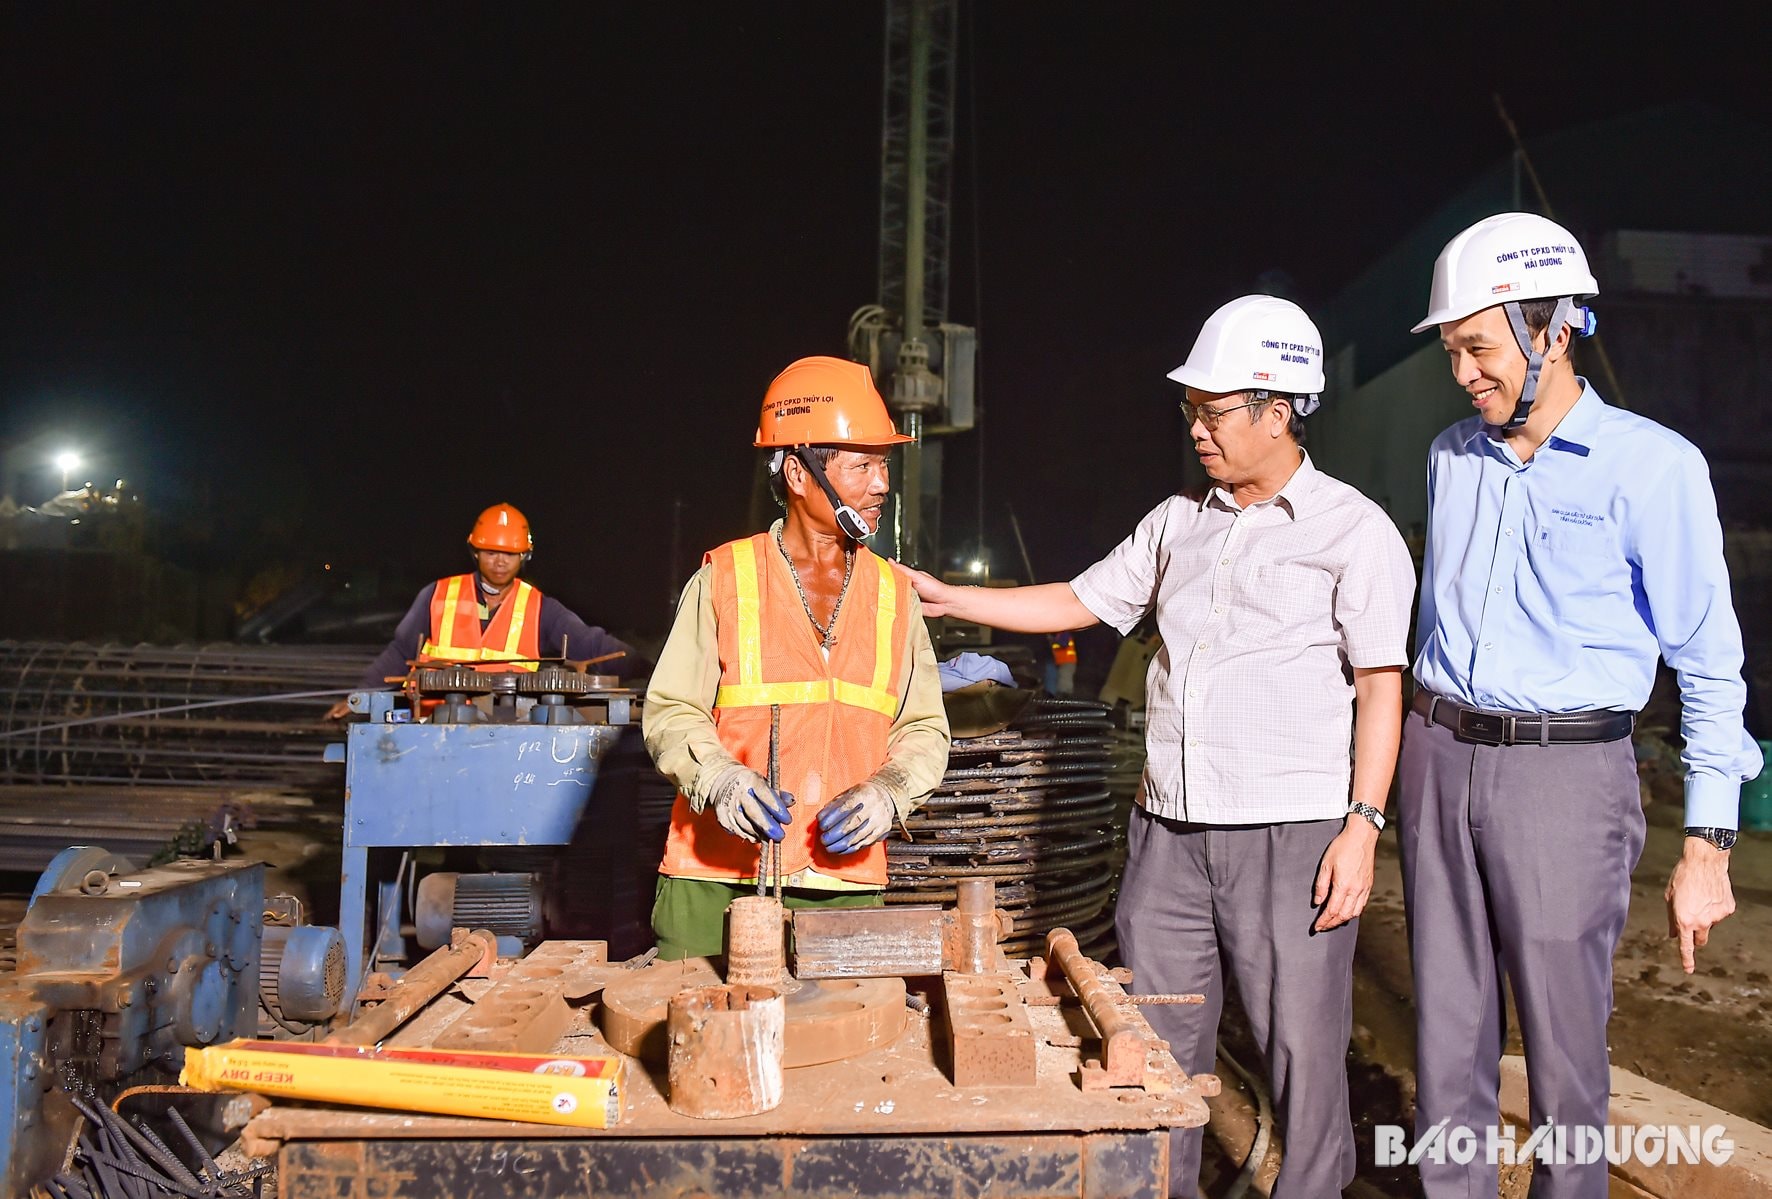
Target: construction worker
{"x": 1569, "y": 543}
{"x": 796, "y": 700}
{"x": 1061, "y": 672}
{"x": 1283, "y": 600}
{"x": 492, "y": 620}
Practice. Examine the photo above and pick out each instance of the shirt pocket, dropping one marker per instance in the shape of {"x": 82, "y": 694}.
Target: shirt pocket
{"x": 1577, "y": 542}
{"x": 1286, "y": 594}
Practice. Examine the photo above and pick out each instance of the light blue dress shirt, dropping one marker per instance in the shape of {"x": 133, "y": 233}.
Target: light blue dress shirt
{"x": 1553, "y": 585}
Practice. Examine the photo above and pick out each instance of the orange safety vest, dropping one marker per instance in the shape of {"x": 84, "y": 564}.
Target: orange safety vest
{"x": 836, "y": 716}
{"x": 456, "y": 636}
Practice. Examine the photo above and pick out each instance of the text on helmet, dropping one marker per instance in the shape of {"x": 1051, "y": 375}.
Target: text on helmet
{"x": 1549, "y": 255}
{"x": 1292, "y": 351}
{"x": 795, "y": 405}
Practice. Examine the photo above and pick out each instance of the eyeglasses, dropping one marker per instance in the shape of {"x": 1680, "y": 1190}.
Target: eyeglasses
{"x": 1210, "y": 417}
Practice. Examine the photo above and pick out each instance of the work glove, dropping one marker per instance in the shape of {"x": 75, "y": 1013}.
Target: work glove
{"x": 857, "y": 818}
{"x": 746, "y": 807}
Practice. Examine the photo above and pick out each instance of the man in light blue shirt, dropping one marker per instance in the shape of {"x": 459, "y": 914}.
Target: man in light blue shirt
{"x": 1569, "y": 545}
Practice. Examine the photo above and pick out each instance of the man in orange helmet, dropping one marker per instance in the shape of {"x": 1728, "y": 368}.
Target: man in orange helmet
{"x": 490, "y": 619}
{"x": 801, "y": 645}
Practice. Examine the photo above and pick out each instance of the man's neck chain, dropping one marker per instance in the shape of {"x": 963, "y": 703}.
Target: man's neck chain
{"x": 827, "y": 634}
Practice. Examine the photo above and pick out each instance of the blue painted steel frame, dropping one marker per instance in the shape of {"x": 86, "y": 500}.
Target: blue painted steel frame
{"x": 419, "y": 785}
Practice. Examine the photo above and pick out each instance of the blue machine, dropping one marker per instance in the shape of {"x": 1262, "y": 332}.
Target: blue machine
{"x": 507, "y": 762}
{"x": 118, "y": 972}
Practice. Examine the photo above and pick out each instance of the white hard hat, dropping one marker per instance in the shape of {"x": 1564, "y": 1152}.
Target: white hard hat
{"x": 1510, "y": 257}
{"x": 1257, "y": 343}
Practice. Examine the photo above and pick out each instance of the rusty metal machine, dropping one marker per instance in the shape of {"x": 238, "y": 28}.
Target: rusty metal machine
{"x": 118, "y": 971}
{"x": 867, "y": 1052}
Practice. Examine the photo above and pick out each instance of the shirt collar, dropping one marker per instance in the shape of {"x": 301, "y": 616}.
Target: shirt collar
{"x": 1576, "y": 431}
{"x": 1299, "y": 487}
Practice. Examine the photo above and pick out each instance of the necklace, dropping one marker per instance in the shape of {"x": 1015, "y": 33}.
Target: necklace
{"x": 827, "y": 634}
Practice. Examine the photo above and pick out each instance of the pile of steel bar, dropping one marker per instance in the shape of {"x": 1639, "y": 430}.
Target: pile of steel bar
{"x": 36, "y": 823}
{"x": 1029, "y": 808}
{"x": 120, "y": 1159}
{"x": 114, "y": 689}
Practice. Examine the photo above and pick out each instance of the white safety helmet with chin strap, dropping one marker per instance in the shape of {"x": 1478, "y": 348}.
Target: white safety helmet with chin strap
{"x": 1259, "y": 344}
{"x": 1504, "y": 260}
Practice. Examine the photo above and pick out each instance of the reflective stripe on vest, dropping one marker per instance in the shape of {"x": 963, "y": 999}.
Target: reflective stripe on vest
{"x": 511, "y": 639}
{"x": 750, "y": 692}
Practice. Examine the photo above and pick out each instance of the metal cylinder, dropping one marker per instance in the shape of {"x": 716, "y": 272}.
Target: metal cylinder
{"x": 756, "y": 942}
{"x": 417, "y": 987}
{"x": 979, "y": 927}
{"x": 725, "y": 1050}
{"x": 508, "y": 904}
{"x": 301, "y": 971}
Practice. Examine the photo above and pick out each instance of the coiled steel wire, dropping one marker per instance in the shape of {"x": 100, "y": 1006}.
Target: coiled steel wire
{"x": 1031, "y": 808}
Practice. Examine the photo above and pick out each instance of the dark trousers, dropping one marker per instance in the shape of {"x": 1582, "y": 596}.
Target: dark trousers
{"x": 1516, "y": 865}
{"x": 1197, "y": 899}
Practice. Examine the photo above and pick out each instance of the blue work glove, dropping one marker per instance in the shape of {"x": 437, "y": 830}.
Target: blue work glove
{"x": 747, "y": 808}
{"x": 857, "y": 818}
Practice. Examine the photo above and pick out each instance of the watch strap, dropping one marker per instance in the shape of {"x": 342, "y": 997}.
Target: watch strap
{"x": 1721, "y": 838}
{"x": 1371, "y": 813}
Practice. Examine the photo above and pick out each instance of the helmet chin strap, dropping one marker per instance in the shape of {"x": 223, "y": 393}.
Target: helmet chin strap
{"x": 848, "y": 519}
{"x": 1516, "y": 317}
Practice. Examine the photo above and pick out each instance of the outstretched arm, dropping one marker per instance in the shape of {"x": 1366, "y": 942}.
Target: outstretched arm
{"x": 1045, "y": 608}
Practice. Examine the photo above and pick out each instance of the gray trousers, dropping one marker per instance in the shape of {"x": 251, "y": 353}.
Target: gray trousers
{"x": 1516, "y": 864}
{"x": 1195, "y": 896}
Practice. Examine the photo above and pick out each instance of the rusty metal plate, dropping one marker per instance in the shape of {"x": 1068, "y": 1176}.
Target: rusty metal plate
{"x": 827, "y": 1019}
{"x": 526, "y": 1011}
{"x": 989, "y": 1034}
{"x": 868, "y": 942}
{"x": 1121, "y": 1165}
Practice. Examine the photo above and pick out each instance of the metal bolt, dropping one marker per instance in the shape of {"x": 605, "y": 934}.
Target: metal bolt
{"x": 209, "y": 949}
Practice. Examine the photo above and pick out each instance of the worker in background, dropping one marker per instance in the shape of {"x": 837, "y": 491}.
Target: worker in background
{"x": 1568, "y": 544}
{"x": 1061, "y": 671}
{"x": 1283, "y": 600}
{"x": 802, "y": 640}
{"x": 492, "y": 620}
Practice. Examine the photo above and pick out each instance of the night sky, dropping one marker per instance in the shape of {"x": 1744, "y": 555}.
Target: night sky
{"x": 323, "y": 281}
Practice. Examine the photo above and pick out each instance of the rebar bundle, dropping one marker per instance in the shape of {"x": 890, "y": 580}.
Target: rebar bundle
{"x": 1030, "y": 808}
{"x": 106, "y": 697}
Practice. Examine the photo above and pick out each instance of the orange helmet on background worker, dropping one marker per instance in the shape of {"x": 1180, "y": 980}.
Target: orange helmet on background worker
{"x": 503, "y": 529}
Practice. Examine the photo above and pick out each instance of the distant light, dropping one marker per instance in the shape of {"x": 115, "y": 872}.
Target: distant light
{"x": 329, "y": 566}
{"x": 977, "y": 566}
{"x": 67, "y": 460}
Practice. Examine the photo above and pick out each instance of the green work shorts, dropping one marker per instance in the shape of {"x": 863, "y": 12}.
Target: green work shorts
{"x": 689, "y": 914}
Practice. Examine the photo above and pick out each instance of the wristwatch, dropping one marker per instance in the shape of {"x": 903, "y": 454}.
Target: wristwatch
{"x": 1721, "y": 838}
{"x": 1370, "y": 813}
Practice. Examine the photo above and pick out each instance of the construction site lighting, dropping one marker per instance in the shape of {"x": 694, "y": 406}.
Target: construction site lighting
{"x": 67, "y": 462}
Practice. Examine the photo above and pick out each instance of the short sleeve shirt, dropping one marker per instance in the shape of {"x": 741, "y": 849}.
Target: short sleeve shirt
{"x": 1265, "y": 612}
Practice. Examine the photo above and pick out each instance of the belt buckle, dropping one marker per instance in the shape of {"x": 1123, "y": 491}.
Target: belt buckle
{"x": 1484, "y": 728}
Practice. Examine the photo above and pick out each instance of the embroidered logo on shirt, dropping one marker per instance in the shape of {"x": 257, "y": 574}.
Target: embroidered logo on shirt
{"x": 1574, "y": 516}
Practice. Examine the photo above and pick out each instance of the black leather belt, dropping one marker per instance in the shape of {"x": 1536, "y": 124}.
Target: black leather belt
{"x": 1523, "y": 728}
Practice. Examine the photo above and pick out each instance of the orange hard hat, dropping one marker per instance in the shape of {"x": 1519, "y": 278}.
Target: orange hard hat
{"x": 825, "y": 401}
{"x": 501, "y": 527}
